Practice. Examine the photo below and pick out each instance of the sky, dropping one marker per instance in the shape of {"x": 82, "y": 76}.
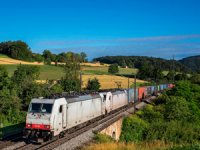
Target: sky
{"x": 158, "y": 28}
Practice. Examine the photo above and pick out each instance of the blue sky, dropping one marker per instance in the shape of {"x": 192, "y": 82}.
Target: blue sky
{"x": 159, "y": 28}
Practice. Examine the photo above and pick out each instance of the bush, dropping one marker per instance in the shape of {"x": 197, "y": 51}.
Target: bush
{"x": 113, "y": 68}
{"x": 132, "y": 129}
{"x": 93, "y": 84}
{"x": 103, "y": 138}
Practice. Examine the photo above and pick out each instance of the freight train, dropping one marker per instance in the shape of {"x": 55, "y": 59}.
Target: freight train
{"x": 57, "y": 115}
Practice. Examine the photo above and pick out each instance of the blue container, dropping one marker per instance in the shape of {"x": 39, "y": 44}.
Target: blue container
{"x": 165, "y": 86}
{"x": 149, "y": 90}
{"x": 131, "y": 95}
{"x": 152, "y": 90}
{"x": 161, "y": 87}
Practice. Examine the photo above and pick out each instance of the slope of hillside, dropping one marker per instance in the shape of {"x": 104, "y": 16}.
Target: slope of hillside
{"x": 5, "y": 60}
{"x": 192, "y": 62}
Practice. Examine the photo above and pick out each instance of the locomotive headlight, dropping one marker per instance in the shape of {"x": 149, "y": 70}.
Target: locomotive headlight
{"x": 28, "y": 125}
{"x": 47, "y": 126}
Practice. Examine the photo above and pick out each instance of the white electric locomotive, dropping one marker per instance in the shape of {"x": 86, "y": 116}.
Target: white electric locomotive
{"x": 47, "y": 118}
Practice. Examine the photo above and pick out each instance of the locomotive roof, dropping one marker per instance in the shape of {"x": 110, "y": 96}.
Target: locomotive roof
{"x": 82, "y": 98}
{"x": 41, "y": 100}
{"x": 118, "y": 92}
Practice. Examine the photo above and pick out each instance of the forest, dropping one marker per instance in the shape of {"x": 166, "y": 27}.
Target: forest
{"x": 139, "y": 61}
{"x": 192, "y": 62}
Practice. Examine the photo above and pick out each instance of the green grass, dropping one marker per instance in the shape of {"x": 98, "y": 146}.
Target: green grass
{"x": 3, "y": 56}
{"x": 104, "y": 70}
{"x": 46, "y": 72}
{"x": 54, "y": 73}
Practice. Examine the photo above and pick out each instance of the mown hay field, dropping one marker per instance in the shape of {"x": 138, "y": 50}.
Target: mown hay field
{"x": 4, "y": 60}
{"x": 110, "y": 81}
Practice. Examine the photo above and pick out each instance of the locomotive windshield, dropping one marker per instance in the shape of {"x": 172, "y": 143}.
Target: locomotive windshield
{"x": 40, "y": 108}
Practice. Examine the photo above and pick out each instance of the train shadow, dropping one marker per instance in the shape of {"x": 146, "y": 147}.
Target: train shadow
{"x": 12, "y": 133}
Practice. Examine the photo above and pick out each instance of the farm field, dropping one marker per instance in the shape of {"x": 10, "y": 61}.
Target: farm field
{"x": 53, "y": 72}
{"x": 110, "y": 81}
{"x": 89, "y": 70}
{"x": 107, "y": 80}
{"x": 5, "y": 60}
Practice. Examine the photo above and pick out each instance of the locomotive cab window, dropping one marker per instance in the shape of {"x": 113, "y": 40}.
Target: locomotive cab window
{"x": 61, "y": 109}
{"x": 40, "y": 108}
{"x": 104, "y": 97}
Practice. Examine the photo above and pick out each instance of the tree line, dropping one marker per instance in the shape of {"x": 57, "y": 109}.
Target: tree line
{"x": 20, "y": 50}
{"x": 139, "y": 61}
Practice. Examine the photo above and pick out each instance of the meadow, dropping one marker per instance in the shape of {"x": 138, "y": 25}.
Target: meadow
{"x": 51, "y": 72}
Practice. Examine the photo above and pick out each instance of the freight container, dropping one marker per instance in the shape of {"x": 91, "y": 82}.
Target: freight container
{"x": 131, "y": 95}
{"x": 142, "y": 93}
{"x": 149, "y": 89}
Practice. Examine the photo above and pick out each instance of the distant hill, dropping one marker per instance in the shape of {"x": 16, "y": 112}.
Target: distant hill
{"x": 192, "y": 62}
{"x": 138, "y": 61}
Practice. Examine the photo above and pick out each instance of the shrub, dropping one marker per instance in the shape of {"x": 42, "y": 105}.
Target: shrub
{"x": 93, "y": 84}
{"x": 113, "y": 68}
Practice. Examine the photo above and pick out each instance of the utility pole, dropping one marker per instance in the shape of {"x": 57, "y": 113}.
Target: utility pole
{"x": 173, "y": 68}
{"x": 80, "y": 81}
{"x": 134, "y": 104}
{"x": 128, "y": 90}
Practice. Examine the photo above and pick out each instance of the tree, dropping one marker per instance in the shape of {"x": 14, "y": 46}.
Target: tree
{"x": 181, "y": 76}
{"x": 113, "y": 68}
{"x": 71, "y": 82}
{"x": 195, "y": 78}
{"x": 16, "y": 49}
{"x": 123, "y": 64}
{"x": 24, "y": 83}
{"x": 38, "y": 58}
{"x": 83, "y": 56}
{"x": 48, "y": 57}
{"x": 4, "y": 79}
{"x": 170, "y": 75}
{"x": 93, "y": 84}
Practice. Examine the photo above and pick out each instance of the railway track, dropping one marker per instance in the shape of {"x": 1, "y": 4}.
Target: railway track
{"x": 59, "y": 141}
{"x": 11, "y": 140}
{"x": 56, "y": 142}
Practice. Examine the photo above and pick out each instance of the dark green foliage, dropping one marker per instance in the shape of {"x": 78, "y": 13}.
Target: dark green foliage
{"x": 113, "y": 68}
{"x": 132, "y": 129}
{"x": 175, "y": 117}
{"x": 195, "y": 79}
{"x": 24, "y": 82}
{"x": 16, "y": 49}
{"x": 181, "y": 76}
{"x": 4, "y": 79}
{"x": 103, "y": 138}
{"x": 192, "y": 62}
{"x": 138, "y": 61}
{"x": 71, "y": 81}
{"x": 170, "y": 76}
{"x": 83, "y": 57}
{"x": 151, "y": 73}
{"x": 38, "y": 58}
{"x": 93, "y": 84}
{"x": 48, "y": 57}
{"x": 186, "y": 147}
{"x": 70, "y": 85}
